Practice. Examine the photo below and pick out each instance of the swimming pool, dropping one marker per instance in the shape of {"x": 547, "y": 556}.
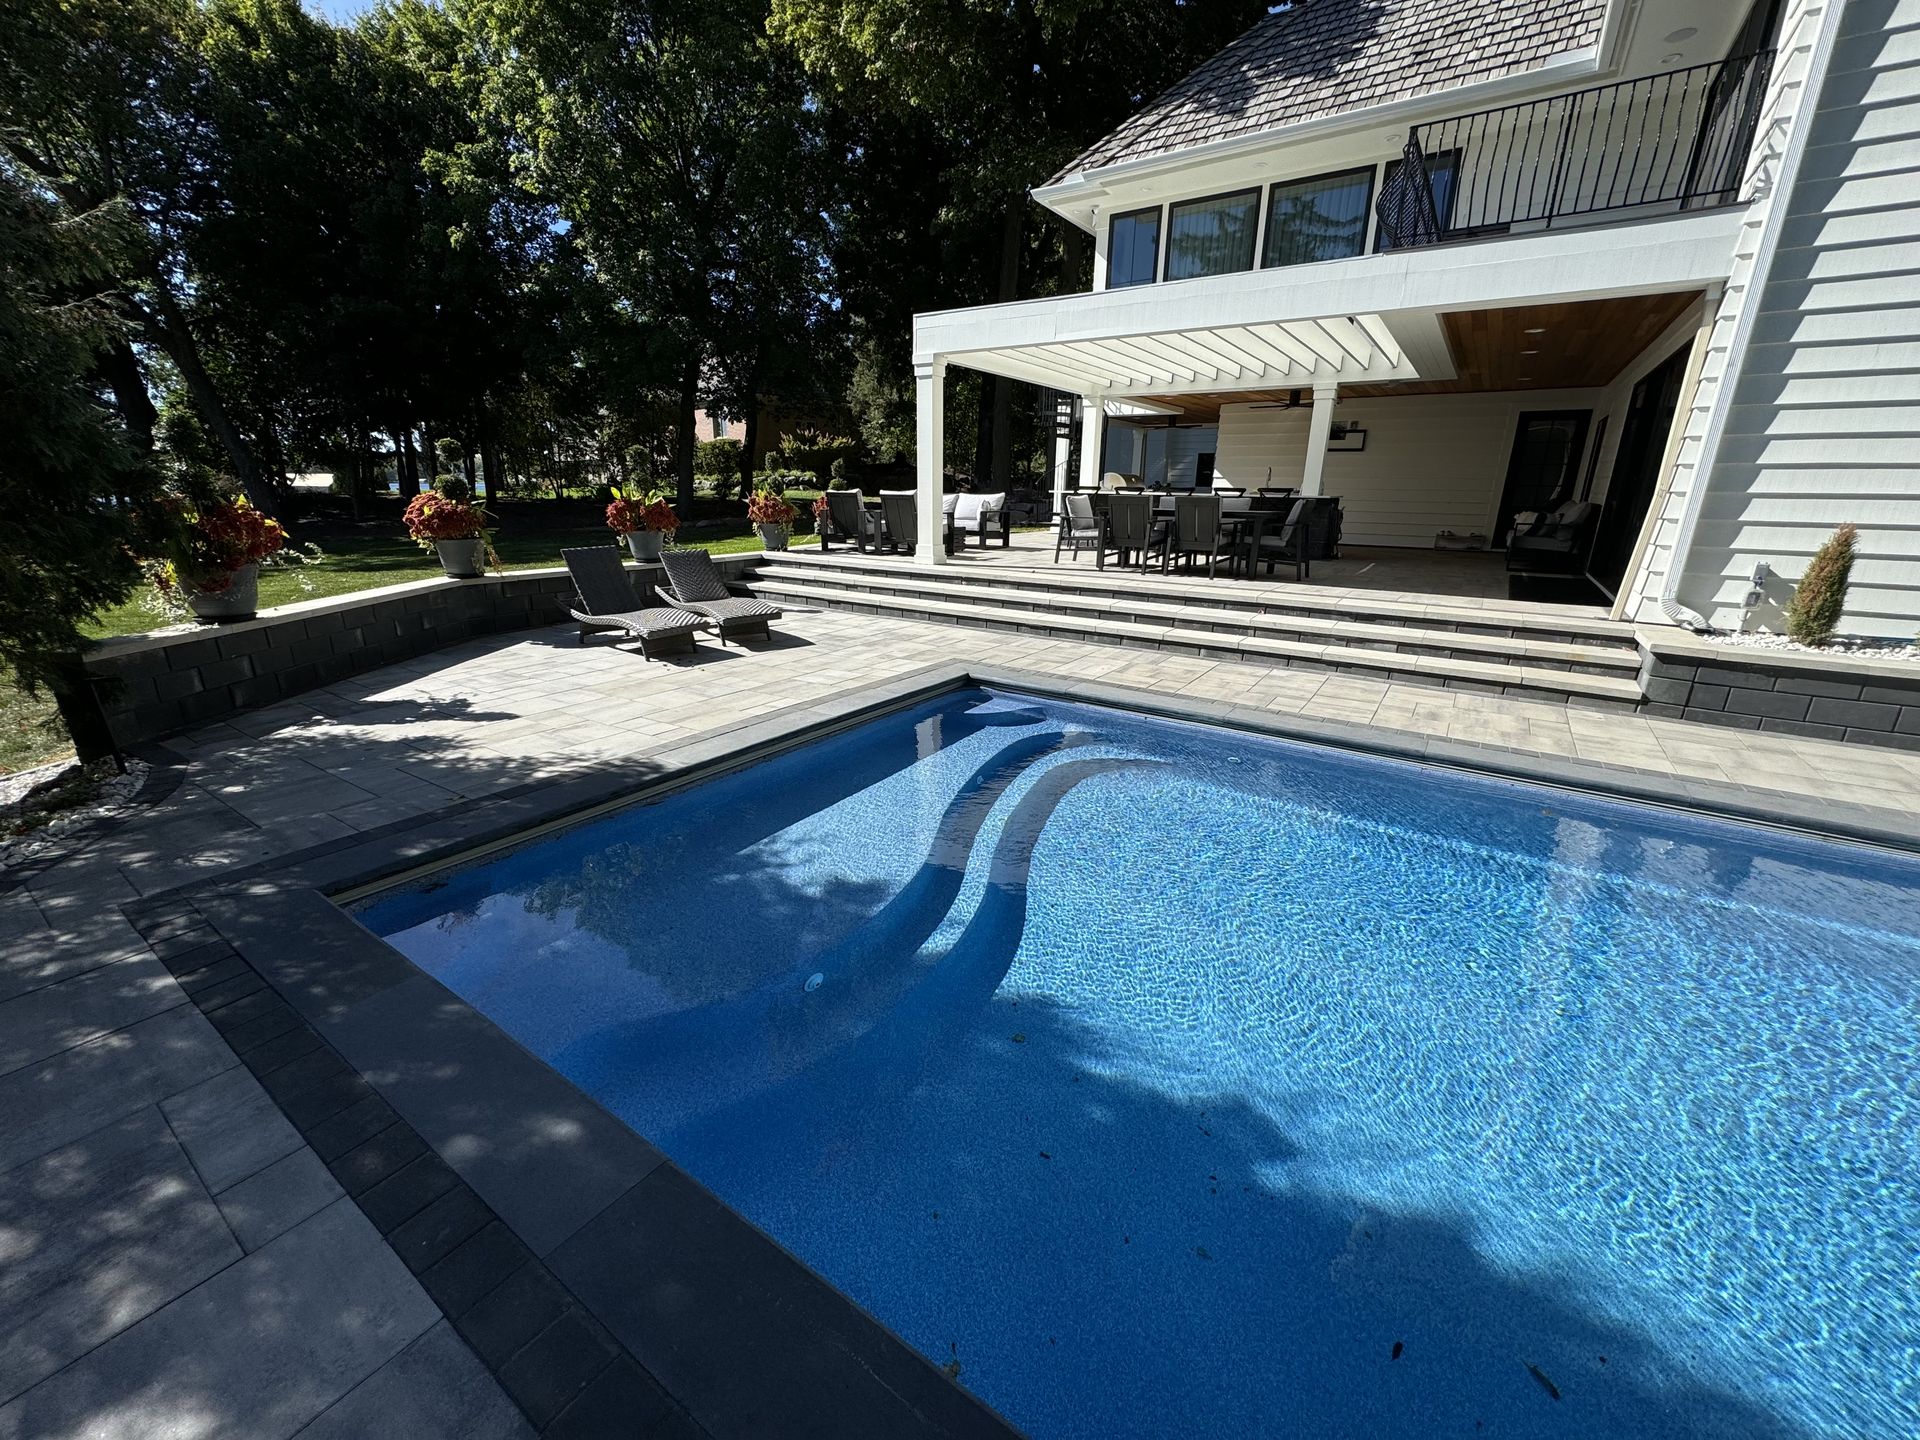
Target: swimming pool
{"x": 1162, "y": 1080}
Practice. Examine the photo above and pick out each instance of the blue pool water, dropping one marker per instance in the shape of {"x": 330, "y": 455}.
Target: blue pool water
{"x": 1173, "y": 1082}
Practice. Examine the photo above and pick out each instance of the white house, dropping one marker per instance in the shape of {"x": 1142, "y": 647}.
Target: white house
{"x": 1663, "y": 259}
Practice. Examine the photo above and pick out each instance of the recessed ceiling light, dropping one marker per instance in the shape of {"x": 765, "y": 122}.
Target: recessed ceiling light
{"x": 1678, "y": 35}
{"x": 1529, "y": 352}
{"x": 1526, "y": 378}
{"x": 1673, "y": 59}
{"x": 1537, "y": 330}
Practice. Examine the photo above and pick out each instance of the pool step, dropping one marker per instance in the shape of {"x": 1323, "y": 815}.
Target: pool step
{"x": 1564, "y": 660}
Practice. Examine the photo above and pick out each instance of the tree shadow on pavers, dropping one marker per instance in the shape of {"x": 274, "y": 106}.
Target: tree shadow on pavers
{"x": 413, "y": 711}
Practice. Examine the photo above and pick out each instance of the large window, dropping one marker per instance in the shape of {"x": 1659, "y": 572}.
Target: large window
{"x": 1212, "y": 237}
{"x": 1442, "y": 169}
{"x": 1324, "y": 218}
{"x": 1133, "y": 248}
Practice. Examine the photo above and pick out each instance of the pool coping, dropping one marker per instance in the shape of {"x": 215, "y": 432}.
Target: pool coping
{"x": 523, "y": 1206}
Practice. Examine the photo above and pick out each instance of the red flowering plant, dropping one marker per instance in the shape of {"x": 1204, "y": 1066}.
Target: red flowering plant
{"x": 212, "y": 542}
{"x": 633, "y": 510}
{"x": 769, "y": 507}
{"x": 448, "y": 512}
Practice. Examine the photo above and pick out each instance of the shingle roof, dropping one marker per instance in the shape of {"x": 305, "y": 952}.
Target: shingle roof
{"x": 1325, "y": 57}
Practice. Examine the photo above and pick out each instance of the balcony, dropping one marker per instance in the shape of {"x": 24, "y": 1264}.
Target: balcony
{"x": 1657, "y": 145}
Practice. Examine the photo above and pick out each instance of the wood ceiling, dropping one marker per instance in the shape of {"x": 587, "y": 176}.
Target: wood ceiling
{"x": 1582, "y": 345}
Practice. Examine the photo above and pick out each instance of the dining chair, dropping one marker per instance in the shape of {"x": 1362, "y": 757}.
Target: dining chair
{"x": 1196, "y": 531}
{"x": 1081, "y": 529}
{"x": 1130, "y": 528}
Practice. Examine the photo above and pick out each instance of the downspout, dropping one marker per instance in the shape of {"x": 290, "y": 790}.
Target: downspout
{"x": 1778, "y": 201}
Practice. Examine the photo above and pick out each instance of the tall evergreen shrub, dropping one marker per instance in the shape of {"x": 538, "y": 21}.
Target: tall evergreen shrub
{"x": 1822, "y": 592}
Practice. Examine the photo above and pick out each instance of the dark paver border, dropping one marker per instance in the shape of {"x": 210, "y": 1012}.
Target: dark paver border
{"x": 287, "y": 977}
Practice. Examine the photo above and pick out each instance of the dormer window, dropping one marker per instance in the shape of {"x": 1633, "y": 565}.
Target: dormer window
{"x": 1212, "y": 236}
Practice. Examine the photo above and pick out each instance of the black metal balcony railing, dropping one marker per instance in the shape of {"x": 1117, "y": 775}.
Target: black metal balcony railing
{"x": 1674, "y": 141}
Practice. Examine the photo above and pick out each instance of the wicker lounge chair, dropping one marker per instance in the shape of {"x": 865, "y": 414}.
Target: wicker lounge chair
{"x": 694, "y": 584}
{"x": 604, "y": 595}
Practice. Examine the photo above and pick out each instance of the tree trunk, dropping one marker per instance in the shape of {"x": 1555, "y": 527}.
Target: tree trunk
{"x": 1012, "y": 232}
{"x": 683, "y": 438}
{"x": 168, "y": 329}
{"x": 490, "y": 467}
{"x": 430, "y": 452}
{"x": 120, "y": 368}
{"x": 752, "y": 432}
{"x": 405, "y": 468}
{"x": 1073, "y": 258}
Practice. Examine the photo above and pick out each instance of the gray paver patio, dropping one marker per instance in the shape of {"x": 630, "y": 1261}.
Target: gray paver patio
{"x": 174, "y": 1260}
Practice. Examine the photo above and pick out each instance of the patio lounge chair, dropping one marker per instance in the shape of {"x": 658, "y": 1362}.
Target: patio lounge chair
{"x": 1556, "y": 543}
{"x": 604, "y": 595}
{"x": 849, "y": 519}
{"x": 1081, "y": 529}
{"x": 901, "y": 510}
{"x": 981, "y": 515}
{"x": 694, "y": 585}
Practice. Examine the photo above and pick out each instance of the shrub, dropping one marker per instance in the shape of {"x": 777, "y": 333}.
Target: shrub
{"x": 716, "y": 458}
{"x": 1821, "y": 595}
{"x": 454, "y": 486}
{"x": 838, "y": 472}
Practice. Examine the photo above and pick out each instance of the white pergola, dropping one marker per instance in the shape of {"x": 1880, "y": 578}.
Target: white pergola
{"x": 1365, "y": 320}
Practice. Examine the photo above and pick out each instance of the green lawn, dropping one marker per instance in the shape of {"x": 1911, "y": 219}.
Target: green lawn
{"x": 355, "y": 558}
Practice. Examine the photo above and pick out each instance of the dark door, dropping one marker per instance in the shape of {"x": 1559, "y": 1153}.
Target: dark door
{"x": 1203, "y": 470}
{"x": 1546, "y": 459}
{"x": 1636, "y": 470}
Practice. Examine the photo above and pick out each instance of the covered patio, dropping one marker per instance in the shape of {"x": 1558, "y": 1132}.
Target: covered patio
{"x": 1402, "y": 404}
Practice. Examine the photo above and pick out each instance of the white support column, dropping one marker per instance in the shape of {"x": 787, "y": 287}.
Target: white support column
{"x": 930, "y": 459}
{"x": 1319, "y": 431}
{"x": 1062, "y": 453}
{"x": 1093, "y": 439}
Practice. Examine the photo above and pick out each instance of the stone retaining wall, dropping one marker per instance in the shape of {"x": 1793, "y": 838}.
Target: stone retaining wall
{"x": 150, "y": 686}
{"x": 1786, "y": 692}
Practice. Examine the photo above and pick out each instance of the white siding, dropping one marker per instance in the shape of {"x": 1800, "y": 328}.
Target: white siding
{"x": 1432, "y": 462}
{"x": 1824, "y": 422}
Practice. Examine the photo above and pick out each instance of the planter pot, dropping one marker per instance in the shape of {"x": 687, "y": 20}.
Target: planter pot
{"x": 645, "y": 544}
{"x": 772, "y": 537}
{"x": 237, "y": 602}
{"x": 462, "y": 559}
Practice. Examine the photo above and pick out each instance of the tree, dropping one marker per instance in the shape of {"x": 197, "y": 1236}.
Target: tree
{"x": 954, "y": 110}
{"x": 677, "y": 143}
{"x": 101, "y": 101}
{"x": 75, "y": 483}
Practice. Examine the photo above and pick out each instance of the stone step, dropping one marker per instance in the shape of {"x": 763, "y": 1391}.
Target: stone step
{"x": 1593, "y": 657}
{"x": 1240, "y": 596}
{"x": 1517, "y": 679}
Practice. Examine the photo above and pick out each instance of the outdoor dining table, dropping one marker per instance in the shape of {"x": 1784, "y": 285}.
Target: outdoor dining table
{"x": 1250, "y": 524}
